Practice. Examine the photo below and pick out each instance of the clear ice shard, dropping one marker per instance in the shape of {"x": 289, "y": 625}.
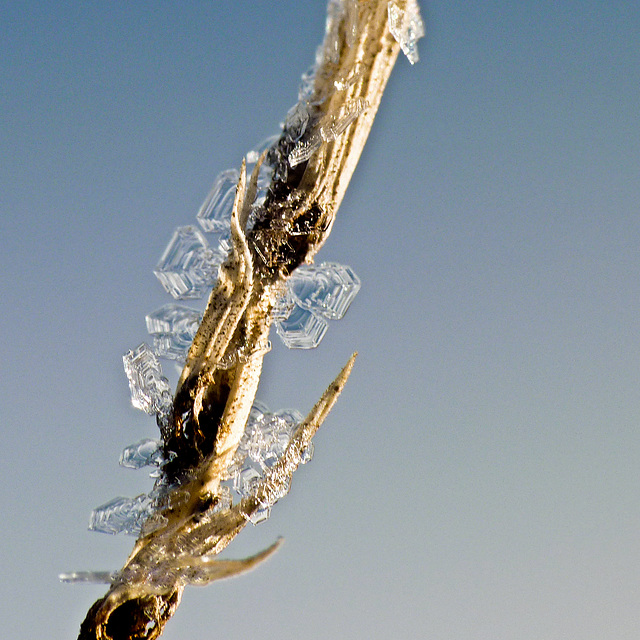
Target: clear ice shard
{"x": 122, "y": 515}
{"x": 150, "y": 390}
{"x": 173, "y": 327}
{"x": 303, "y": 329}
{"x": 304, "y": 149}
{"x": 144, "y": 453}
{"x": 95, "y": 577}
{"x": 326, "y": 289}
{"x": 335, "y": 124}
{"x": 330, "y": 127}
{"x": 296, "y": 121}
{"x": 406, "y": 27}
{"x": 215, "y": 213}
{"x": 188, "y": 267}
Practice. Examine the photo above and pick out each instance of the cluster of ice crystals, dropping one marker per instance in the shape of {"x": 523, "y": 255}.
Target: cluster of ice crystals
{"x": 215, "y": 213}
{"x": 125, "y": 515}
{"x": 406, "y": 27}
{"x": 173, "y": 328}
{"x": 146, "y": 452}
{"x": 314, "y": 294}
{"x": 188, "y": 267}
{"x": 150, "y": 390}
{"x": 263, "y": 443}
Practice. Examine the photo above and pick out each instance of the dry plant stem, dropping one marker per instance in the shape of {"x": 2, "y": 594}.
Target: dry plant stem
{"x": 219, "y": 382}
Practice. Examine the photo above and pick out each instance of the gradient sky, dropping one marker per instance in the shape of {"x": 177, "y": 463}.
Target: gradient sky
{"x": 479, "y": 479}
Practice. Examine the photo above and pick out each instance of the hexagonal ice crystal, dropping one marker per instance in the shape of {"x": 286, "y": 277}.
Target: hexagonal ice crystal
{"x": 326, "y": 289}
{"x": 303, "y": 329}
{"x": 150, "y": 390}
{"x": 406, "y": 27}
{"x": 246, "y": 481}
{"x": 122, "y": 515}
{"x": 173, "y": 327}
{"x": 215, "y": 213}
{"x": 141, "y": 454}
{"x": 188, "y": 267}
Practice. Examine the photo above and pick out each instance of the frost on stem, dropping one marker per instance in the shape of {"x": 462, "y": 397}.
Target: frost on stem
{"x": 223, "y": 459}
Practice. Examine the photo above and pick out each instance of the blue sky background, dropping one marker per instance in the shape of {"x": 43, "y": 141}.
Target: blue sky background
{"x": 480, "y": 478}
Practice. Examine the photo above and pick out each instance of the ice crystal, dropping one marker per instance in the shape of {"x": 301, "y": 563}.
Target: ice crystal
{"x": 302, "y": 329}
{"x": 304, "y": 150}
{"x": 283, "y": 305}
{"x": 188, "y": 268}
{"x": 150, "y": 390}
{"x": 326, "y": 289}
{"x": 122, "y": 515}
{"x": 94, "y": 577}
{"x": 330, "y": 127}
{"x": 173, "y": 327}
{"x": 314, "y": 293}
{"x": 144, "y": 453}
{"x": 215, "y": 213}
{"x": 264, "y": 442}
{"x": 333, "y": 124}
{"x": 296, "y": 121}
{"x": 406, "y": 27}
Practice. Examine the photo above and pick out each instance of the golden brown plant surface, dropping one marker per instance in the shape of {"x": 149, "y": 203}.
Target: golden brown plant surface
{"x": 212, "y": 402}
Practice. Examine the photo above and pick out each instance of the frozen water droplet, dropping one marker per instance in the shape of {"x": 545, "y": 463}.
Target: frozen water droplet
{"x": 173, "y": 327}
{"x": 144, "y": 453}
{"x": 215, "y": 213}
{"x": 188, "y": 267}
{"x": 122, "y": 515}
{"x": 307, "y": 454}
{"x": 346, "y": 80}
{"x": 303, "y": 329}
{"x": 406, "y": 27}
{"x": 254, "y": 155}
{"x": 326, "y": 289}
{"x": 149, "y": 388}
